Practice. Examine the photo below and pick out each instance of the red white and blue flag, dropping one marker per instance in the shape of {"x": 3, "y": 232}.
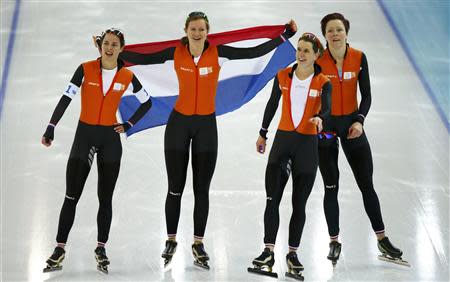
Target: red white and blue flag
{"x": 239, "y": 80}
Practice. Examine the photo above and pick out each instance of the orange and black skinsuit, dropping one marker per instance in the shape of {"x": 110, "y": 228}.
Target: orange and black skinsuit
{"x": 95, "y": 134}
{"x": 297, "y": 144}
{"x": 193, "y": 120}
{"x": 344, "y": 112}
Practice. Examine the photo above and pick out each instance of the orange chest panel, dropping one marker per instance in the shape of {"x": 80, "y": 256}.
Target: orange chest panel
{"x": 312, "y": 107}
{"x": 344, "y": 99}
{"x": 96, "y": 108}
{"x": 197, "y": 83}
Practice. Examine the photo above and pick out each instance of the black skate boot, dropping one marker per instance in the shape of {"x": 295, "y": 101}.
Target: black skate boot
{"x": 335, "y": 252}
{"x": 263, "y": 264}
{"x": 295, "y": 267}
{"x": 390, "y": 253}
{"x": 55, "y": 260}
{"x": 200, "y": 256}
{"x": 102, "y": 259}
{"x": 169, "y": 251}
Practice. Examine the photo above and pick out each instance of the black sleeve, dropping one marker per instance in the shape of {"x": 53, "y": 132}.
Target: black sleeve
{"x": 234, "y": 53}
{"x": 141, "y": 111}
{"x": 137, "y": 86}
{"x": 325, "y": 109}
{"x": 364, "y": 88}
{"x": 64, "y": 102}
{"x": 60, "y": 109}
{"x": 144, "y": 107}
{"x": 77, "y": 77}
{"x": 148, "y": 59}
{"x": 272, "y": 104}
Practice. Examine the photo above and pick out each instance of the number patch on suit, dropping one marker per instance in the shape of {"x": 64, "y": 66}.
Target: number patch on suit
{"x": 313, "y": 93}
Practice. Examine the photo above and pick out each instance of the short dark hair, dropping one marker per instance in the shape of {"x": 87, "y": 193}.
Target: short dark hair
{"x": 117, "y": 32}
{"x": 334, "y": 16}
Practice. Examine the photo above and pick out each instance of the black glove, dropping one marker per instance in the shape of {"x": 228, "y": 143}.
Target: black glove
{"x": 288, "y": 33}
{"x": 49, "y": 133}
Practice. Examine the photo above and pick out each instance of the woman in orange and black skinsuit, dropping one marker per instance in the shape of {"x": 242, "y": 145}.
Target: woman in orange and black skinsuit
{"x": 102, "y": 83}
{"x": 347, "y": 67}
{"x": 192, "y": 122}
{"x": 305, "y": 93}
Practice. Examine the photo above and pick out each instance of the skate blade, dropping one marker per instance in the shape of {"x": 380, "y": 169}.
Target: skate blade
{"x": 257, "y": 270}
{"x": 298, "y": 276}
{"x": 333, "y": 262}
{"x": 202, "y": 265}
{"x": 52, "y": 269}
{"x": 398, "y": 261}
{"x": 102, "y": 269}
{"x": 167, "y": 264}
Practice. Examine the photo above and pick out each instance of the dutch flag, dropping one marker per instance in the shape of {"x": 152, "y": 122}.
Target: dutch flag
{"x": 239, "y": 80}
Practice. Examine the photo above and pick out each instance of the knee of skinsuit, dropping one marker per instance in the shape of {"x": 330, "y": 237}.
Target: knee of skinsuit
{"x": 276, "y": 176}
{"x": 71, "y": 199}
{"x": 330, "y": 181}
{"x": 330, "y": 186}
{"x": 201, "y": 194}
{"x": 174, "y": 194}
{"x": 105, "y": 201}
{"x": 287, "y": 168}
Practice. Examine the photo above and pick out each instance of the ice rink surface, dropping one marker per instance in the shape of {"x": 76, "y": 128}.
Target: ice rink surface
{"x": 410, "y": 146}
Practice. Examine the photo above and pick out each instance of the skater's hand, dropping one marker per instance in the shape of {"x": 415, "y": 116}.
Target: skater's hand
{"x": 121, "y": 128}
{"x": 261, "y": 145}
{"x": 355, "y": 130}
{"x": 46, "y": 142}
{"x": 317, "y": 121}
{"x": 291, "y": 29}
{"x": 48, "y": 136}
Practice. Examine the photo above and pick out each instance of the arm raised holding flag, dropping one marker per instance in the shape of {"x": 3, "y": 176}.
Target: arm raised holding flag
{"x": 247, "y": 60}
{"x": 197, "y": 63}
{"x": 146, "y": 54}
{"x": 235, "y": 53}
